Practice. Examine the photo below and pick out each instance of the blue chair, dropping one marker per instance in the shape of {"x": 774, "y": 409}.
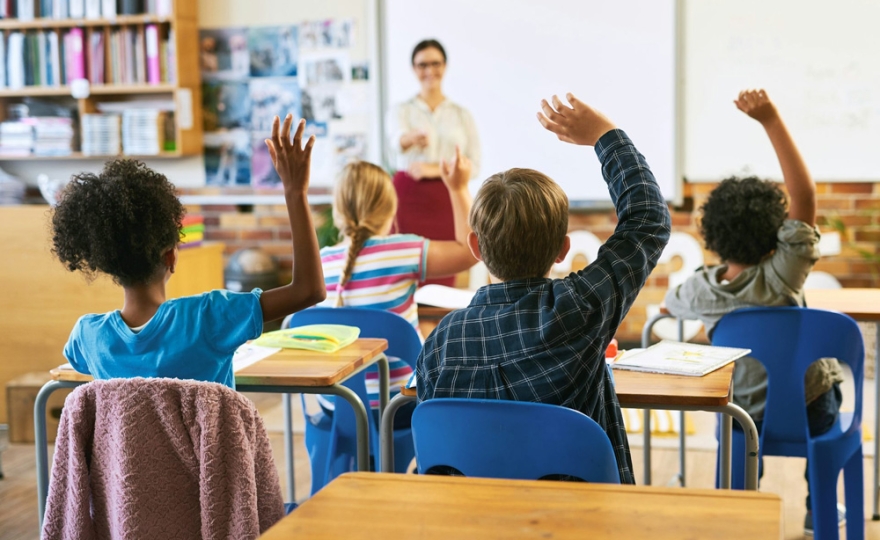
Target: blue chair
{"x": 332, "y": 442}
{"x": 786, "y": 341}
{"x": 511, "y": 439}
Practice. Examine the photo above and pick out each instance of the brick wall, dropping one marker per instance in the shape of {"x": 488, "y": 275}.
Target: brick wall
{"x": 856, "y": 205}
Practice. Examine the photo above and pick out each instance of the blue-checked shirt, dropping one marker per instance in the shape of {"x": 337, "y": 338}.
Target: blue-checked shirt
{"x": 544, "y": 340}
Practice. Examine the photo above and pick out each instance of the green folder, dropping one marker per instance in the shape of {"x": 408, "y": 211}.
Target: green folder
{"x": 315, "y": 337}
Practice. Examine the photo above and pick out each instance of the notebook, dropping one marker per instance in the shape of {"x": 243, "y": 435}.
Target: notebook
{"x": 314, "y": 337}
{"x": 676, "y": 358}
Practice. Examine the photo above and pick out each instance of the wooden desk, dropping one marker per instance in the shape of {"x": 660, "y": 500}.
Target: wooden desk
{"x": 286, "y": 372}
{"x": 41, "y": 300}
{"x": 862, "y": 305}
{"x": 363, "y": 505}
{"x": 643, "y": 390}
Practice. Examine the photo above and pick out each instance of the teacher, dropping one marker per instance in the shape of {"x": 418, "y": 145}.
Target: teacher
{"x": 423, "y": 131}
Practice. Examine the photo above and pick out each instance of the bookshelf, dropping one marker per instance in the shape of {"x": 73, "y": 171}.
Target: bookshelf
{"x": 117, "y": 71}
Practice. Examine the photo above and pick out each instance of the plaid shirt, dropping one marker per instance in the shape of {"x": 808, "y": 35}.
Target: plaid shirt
{"x": 544, "y": 340}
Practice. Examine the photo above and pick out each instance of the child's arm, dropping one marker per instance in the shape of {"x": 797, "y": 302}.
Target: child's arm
{"x": 292, "y": 163}
{"x": 450, "y": 257}
{"x": 611, "y": 283}
{"x": 801, "y": 189}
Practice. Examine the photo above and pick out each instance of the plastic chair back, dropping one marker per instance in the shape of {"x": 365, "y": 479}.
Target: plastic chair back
{"x": 511, "y": 439}
{"x": 786, "y": 340}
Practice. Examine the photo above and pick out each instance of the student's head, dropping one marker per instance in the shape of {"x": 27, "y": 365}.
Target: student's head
{"x": 124, "y": 222}
{"x": 519, "y": 220}
{"x": 741, "y": 218}
{"x": 429, "y": 63}
{"x": 364, "y": 205}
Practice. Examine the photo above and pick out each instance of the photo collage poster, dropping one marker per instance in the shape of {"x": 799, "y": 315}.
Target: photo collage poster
{"x": 250, "y": 75}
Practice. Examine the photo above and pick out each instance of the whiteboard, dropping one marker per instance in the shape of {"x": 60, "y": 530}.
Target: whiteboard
{"x": 504, "y": 56}
{"x": 818, "y": 60}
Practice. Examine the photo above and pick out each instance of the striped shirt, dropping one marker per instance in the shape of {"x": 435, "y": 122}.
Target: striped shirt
{"x": 385, "y": 276}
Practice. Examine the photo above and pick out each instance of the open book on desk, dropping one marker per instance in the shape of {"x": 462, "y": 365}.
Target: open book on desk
{"x": 676, "y": 358}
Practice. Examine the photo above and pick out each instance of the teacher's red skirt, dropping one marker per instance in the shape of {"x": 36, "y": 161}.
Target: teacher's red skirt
{"x": 424, "y": 208}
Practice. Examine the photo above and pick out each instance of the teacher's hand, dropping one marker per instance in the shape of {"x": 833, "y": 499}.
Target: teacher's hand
{"x": 419, "y": 170}
{"x": 456, "y": 173}
{"x": 416, "y": 138}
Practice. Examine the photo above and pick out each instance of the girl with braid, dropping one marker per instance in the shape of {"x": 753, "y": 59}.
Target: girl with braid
{"x": 374, "y": 269}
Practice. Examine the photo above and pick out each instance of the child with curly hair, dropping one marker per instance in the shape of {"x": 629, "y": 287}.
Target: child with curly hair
{"x": 766, "y": 252}
{"x": 125, "y": 222}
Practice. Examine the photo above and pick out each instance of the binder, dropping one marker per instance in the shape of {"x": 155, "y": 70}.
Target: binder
{"x": 154, "y": 75}
{"x": 2, "y": 60}
{"x": 41, "y": 79}
{"x": 15, "y": 60}
{"x": 130, "y": 7}
{"x": 25, "y": 9}
{"x": 108, "y": 9}
{"x": 93, "y": 9}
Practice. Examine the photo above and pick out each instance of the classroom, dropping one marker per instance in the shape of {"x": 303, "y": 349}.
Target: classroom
{"x": 349, "y": 268}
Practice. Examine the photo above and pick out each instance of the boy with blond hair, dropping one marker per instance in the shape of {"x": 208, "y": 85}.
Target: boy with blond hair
{"x": 526, "y": 337}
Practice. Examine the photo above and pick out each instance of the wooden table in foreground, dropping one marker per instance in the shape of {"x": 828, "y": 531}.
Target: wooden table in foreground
{"x": 636, "y": 390}
{"x": 862, "y": 305}
{"x": 286, "y": 372}
{"x": 364, "y": 505}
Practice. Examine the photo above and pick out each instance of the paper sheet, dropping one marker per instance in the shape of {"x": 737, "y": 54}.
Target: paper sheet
{"x": 248, "y": 354}
{"x": 444, "y": 297}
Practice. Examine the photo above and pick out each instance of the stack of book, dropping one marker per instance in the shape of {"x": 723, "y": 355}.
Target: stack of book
{"x": 53, "y": 136}
{"x": 16, "y": 139}
{"x": 192, "y": 231}
{"x": 144, "y": 125}
{"x": 77, "y": 9}
{"x": 101, "y": 135}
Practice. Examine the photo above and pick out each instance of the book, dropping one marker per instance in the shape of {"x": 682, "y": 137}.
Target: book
{"x": 677, "y": 358}
{"x": 15, "y": 60}
{"x": 2, "y": 59}
{"x": 129, "y": 7}
{"x": 154, "y": 70}
{"x": 164, "y": 8}
{"x": 93, "y": 9}
{"x": 77, "y": 9}
{"x": 42, "y": 62}
{"x": 108, "y": 9}
{"x": 26, "y": 10}
{"x": 74, "y": 59}
{"x": 96, "y": 52}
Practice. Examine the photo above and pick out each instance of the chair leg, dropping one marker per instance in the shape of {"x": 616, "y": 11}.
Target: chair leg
{"x": 854, "y": 494}
{"x": 823, "y": 499}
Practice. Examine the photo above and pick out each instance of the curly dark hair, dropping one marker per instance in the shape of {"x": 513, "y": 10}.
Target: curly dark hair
{"x": 741, "y": 217}
{"x": 119, "y": 222}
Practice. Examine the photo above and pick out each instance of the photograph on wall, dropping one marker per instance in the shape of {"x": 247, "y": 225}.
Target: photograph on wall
{"x": 271, "y": 97}
{"x": 274, "y": 51}
{"x": 226, "y": 105}
{"x": 263, "y": 175}
{"x": 228, "y": 158}
{"x": 349, "y": 147}
{"x": 318, "y": 69}
{"x": 320, "y": 104}
{"x": 331, "y": 33}
{"x": 360, "y": 71}
{"x": 223, "y": 54}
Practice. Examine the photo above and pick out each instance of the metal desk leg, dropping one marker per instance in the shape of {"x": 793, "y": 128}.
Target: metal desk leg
{"x": 363, "y": 426}
{"x": 384, "y": 384}
{"x": 288, "y": 446}
{"x": 682, "y": 433}
{"x": 386, "y": 432}
{"x": 724, "y": 444}
{"x": 876, "y": 486}
{"x": 751, "y": 436}
{"x": 41, "y": 441}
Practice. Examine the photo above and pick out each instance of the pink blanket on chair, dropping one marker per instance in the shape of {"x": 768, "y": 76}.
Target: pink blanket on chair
{"x": 161, "y": 458}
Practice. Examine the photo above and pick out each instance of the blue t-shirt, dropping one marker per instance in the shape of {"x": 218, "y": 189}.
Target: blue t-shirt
{"x": 188, "y": 338}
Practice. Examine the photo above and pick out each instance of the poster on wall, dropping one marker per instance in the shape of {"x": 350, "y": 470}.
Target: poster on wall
{"x": 250, "y": 75}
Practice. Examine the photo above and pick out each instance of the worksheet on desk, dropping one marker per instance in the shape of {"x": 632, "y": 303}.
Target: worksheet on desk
{"x": 249, "y": 354}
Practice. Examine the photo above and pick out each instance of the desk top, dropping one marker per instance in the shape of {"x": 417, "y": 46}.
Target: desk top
{"x": 861, "y": 304}
{"x": 443, "y": 507}
{"x": 290, "y": 367}
{"x": 636, "y": 389}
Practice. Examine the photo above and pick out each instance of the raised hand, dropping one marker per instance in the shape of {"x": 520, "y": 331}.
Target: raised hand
{"x": 577, "y": 123}
{"x": 290, "y": 159}
{"x": 456, "y": 173}
{"x": 757, "y": 105}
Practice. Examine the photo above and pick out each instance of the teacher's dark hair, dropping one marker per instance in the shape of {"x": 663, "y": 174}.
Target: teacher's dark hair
{"x": 428, "y": 44}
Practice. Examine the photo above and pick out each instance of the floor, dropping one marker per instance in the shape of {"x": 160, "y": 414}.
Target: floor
{"x": 783, "y": 476}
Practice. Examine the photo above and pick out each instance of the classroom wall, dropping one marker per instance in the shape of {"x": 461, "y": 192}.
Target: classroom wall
{"x": 190, "y": 172}
{"x": 856, "y": 205}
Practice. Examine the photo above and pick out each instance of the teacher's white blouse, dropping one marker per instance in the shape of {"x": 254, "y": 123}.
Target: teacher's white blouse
{"x": 446, "y": 126}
